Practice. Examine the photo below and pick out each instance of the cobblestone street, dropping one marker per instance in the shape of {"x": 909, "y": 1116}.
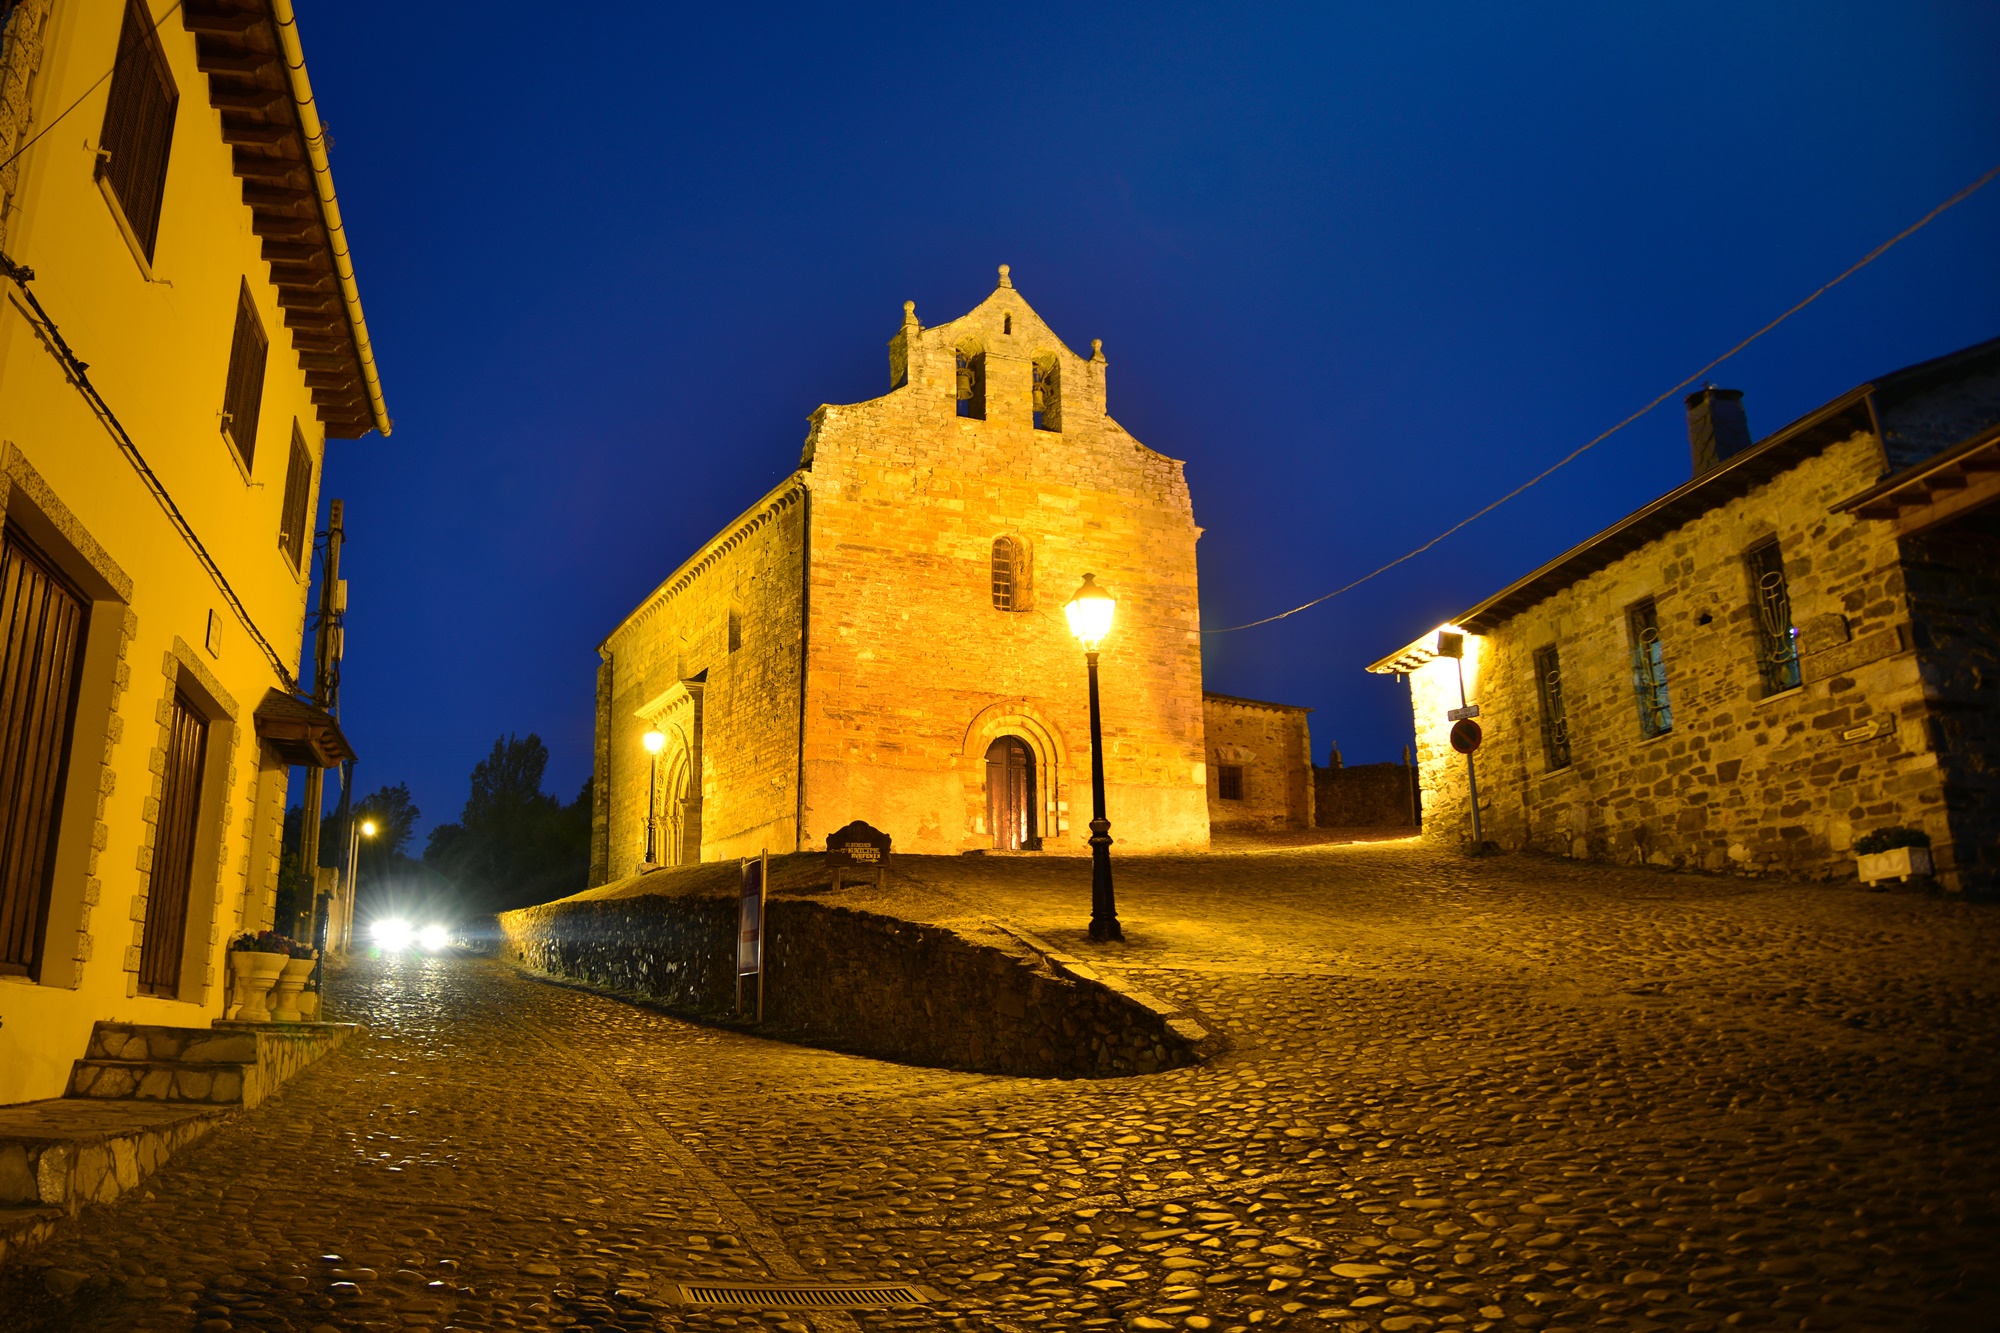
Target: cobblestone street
{"x": 1511, "y": 1093}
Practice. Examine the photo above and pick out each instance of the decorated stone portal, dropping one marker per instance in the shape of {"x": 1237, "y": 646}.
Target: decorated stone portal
{"x": 859, "y": 846}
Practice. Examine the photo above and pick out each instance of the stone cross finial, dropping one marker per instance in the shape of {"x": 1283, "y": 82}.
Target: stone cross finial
{"x": 1005, "y": 281}
{"x": 909, "y": 312}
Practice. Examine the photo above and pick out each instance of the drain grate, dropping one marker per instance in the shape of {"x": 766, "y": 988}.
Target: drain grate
{"x": 800, "y": 1295}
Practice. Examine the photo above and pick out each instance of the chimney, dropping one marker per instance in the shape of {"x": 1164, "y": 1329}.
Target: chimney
{"x": 1717, "y": 428}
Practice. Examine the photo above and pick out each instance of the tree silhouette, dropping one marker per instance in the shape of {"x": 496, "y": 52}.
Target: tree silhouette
{"x": 513, "y": 844}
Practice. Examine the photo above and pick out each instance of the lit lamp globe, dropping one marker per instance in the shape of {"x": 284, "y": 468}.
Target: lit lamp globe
{"x": 654, "y": 741}
{"x": 1089, "y": 613}
{"x": 367, "y": 828}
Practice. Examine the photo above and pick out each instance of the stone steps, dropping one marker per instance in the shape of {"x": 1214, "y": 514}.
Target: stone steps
{"x": 140, "y": 1094}
{"x": 229, "y": 1064}
{"x": 58, "y": 1155}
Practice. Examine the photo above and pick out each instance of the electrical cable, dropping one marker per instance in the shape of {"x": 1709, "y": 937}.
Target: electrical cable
{"x": 78, "y": 374}
{"x": 1582, "y": 449}
{"x": 170, "y": 11}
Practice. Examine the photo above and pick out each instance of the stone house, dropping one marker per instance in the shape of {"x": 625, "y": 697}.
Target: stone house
{"x": 1793, "y": 649}
{"x": 1260, "y": 771}
{"x": 179, "y": 238}
{"x": 882, "y": 636}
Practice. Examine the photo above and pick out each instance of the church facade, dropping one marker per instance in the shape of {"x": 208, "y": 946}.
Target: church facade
{"x": 881, "y": 637}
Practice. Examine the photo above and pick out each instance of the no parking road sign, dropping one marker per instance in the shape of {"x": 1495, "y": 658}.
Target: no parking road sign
{"x": 1465, "y": 735}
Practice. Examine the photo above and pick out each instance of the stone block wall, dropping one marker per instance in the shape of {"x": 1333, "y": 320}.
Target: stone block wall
{"x": 914, "y": 671}
{"x": 1954, "y": 588}
{"x": 1271, "y": 744}
{"x": 1365, "y": 796}
{"x": 729, "y": 621}
{"x": 851, "y": 980}
{"x": 1741, "y": 782}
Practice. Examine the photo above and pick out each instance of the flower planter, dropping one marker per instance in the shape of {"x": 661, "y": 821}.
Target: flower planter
{"x": 256, "y": 973}
{"x": 1898, "y": 863}
{"x": 285, "y": 999}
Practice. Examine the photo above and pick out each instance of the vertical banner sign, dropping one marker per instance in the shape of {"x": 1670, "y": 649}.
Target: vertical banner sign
{"x": 750, "y": 931}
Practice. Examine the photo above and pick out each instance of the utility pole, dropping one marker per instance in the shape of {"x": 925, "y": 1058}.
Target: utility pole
{"x": 326, "y": 694}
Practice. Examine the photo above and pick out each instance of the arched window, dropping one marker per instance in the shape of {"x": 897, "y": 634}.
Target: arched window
{"x": 1048, "y": 394}
{"x": 1013, "y": 575}
{"x": 972, "y": 384}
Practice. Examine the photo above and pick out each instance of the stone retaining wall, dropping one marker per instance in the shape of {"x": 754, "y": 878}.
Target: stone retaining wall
{"x": 852, "y": 980}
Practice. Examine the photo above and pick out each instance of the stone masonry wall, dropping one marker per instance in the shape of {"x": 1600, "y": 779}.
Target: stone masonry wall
{"x": 851, "y": 980}
{"x": 1742, "y": 782}
{"x": 1364, "y": 796}
{"x": 749, "y": 717}
{"x": 1272, "y": 744}
{"x": 1954, "y": 584}
{"x": 914, "y": 671}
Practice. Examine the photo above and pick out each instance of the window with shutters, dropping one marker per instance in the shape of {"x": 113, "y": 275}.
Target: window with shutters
{"x": 972, "y": 384}
{"x": 1048, "y": 394}
{"x": 1777, "y": 638}
{"x": 1649, "y": 669}
{"x": 1555, "y": 715}
{"x": 163, "y": 940}
{"x": 44, "y": 619}
{"x": 297, "y": 520}
{"x": 138, "y": 128}
{"x": 243, "y": 396}
{"x": 1229, "y": 781}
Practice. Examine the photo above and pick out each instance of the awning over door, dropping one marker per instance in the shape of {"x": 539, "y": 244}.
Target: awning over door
{"x": 301, "y": 733}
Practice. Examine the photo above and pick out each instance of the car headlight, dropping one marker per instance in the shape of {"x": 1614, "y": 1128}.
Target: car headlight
{"x": 433, "y": 938}
{"x": 392, "y": 933}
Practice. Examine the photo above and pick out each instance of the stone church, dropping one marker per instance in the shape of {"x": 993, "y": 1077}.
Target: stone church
{"x": 882, "y": 637}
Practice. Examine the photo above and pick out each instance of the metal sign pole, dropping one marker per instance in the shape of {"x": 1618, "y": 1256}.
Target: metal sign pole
{"x": 1471, "y": 772}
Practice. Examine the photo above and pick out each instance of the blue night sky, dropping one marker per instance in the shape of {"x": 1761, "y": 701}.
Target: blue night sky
{"x": 1363, "y": 267}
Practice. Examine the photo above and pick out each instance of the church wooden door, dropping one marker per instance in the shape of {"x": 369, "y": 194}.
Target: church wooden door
{"x": 1010, "y": 795}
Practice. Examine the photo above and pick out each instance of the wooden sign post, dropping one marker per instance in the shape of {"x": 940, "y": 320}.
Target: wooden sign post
{"x": 857, "y": 846}
{"x": 750, "y": 930}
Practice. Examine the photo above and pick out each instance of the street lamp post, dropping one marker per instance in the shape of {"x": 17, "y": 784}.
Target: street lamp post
{"x": 654, "y": 741}
{"x": 1089, "y": 614}
{"x": 355, "y": 833}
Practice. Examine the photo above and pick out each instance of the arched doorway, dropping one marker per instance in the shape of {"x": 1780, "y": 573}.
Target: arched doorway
{"x": 1010, "y": 795}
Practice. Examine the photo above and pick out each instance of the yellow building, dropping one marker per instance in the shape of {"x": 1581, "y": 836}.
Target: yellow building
{"x": 179, "y": 336}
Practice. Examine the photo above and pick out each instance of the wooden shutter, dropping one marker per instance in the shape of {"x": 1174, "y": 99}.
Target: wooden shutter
{"x": 173, "y": 851}
{"x": 139, "y": 125}
{"x": 243, "y": 398}
{"x": 43, "y": 620}
{"x": 298, "y": 498}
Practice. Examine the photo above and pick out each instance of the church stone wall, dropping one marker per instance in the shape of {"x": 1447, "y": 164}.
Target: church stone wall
{"x": 749, "y": 694}
{"x": 1742, "y": 782}
{"x": 913, "y": 670}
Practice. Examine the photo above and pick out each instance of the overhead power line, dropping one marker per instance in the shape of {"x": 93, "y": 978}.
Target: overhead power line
{"x": 1588, "y": 445}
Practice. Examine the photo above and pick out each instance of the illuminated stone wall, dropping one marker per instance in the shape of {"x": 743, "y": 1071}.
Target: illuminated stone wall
{"x": 911, "y": 670}
{"x": 1363, "y": 796}
{"x": 1782, "y": 784}
{"x": 1272, "y": 744}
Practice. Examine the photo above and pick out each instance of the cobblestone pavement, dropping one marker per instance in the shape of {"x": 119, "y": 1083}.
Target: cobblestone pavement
{"x": 1493, "y": 1094}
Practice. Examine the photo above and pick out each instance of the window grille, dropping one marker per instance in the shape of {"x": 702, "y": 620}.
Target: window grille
{"x": 164, "y": 935}
{"x": 1048, "y": 396}
{"x": 972, "y": 385}
{"x": 243, "y": 396}
{"x": 735, "y": 628}
{"x": 1006, "y": 569}
{"x": 298, "y": 500}
{"x": 1555, "y": 716}
{"x": 138, "y": 126}
{"x": 1649, "y": 669}
{"x": 1229, "y": 781}
{"x": 1777, "y": 638}
{"x": 44, "y": 619}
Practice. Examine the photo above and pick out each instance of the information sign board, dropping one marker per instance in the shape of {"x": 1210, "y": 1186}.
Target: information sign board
{"x": 750, "y": 930}
{"x": 858, "y": 846}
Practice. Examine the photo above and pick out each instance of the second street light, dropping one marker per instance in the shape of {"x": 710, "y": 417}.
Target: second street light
{"x": 1089, "y": 614}
{"x": 356, "y": 831}
{"x": 654, "y": 741}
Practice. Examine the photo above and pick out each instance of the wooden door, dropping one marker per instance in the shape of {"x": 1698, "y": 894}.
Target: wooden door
{"x": 42, "y": 619}
{"x": 1010, "y": 794}
{"x": 173, "y": 852}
